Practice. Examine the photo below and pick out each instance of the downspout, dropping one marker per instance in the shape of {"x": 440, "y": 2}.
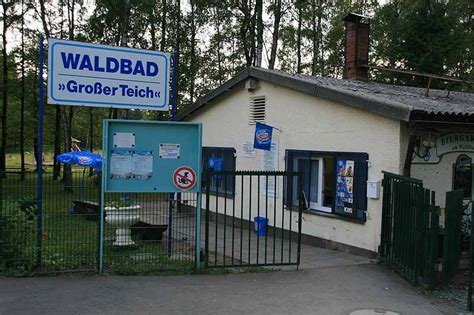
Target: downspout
{"x": 409, "y": 155}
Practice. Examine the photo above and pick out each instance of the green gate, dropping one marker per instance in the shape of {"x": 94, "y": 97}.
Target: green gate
{"x": 452, "y": 233}
{"x": 409, "y": 237}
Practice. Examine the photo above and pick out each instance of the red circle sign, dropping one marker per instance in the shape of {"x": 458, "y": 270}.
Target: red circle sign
{"x": 184, "y": 178}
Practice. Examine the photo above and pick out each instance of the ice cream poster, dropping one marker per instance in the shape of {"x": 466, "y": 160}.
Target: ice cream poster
{"x": 345, "y": 186}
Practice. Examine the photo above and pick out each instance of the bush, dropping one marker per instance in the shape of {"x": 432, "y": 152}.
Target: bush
{"x": 17, "y": 236}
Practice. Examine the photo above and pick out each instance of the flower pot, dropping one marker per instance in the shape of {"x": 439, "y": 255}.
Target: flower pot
{"x": 122, "y": 218}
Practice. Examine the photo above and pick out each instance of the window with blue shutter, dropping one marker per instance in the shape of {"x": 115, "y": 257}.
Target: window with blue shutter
{"x": 333, "y": 182}
{"x": 219, "y": 159}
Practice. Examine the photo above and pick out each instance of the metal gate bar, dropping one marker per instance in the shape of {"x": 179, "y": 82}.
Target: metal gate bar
{"x": 234, "y": 200}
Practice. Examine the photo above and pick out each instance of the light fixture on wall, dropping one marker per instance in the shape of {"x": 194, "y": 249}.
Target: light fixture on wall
{"x": 425, "y": 143}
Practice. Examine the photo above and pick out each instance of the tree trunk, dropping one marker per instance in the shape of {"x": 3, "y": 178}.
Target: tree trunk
{"x": 153, "y": 26}
{"x": 91, "y": 137}
{"x": 259, "y": 18}
{"x": 5, "y": 91}
{"x": 316, "y": 15}
{"x": 177, "y": 49}
{"x": 193, "y": 53}
{"x": 35, "y": 112}
{"x": 275, "y": 35}
{"x": 124, "y": 39}
{"x": 67, "y": 115}
{"x": 43, "y": 18}
{"x": 251, "y": 27}
{"x": 219, "y": 58}
{"x": 22, "y": 96}
{"x": 245, "y": 32}
{"x": 163, "y": 26}
{"x": 67, "y": 169}
{"x": 298, "y": 34}
{"x": 57, "y": 143}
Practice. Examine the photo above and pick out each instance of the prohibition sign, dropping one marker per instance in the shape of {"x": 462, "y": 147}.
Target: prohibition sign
{"x": 184, "y": 178}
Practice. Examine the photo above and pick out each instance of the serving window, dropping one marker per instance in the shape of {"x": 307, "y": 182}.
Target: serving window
{"x": 333, "y": 182}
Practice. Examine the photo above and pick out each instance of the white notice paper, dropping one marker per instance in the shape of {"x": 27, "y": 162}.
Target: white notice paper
{"x": 248, "y": 150}
{"x": 124, "y": 140}
{"x": 270, "y": 163}
{"x": 142, "y": 165}
{"x": 169, "y": 151}
{"x": 120, "y": 165}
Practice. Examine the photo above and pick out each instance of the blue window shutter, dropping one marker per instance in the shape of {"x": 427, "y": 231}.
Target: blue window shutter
{"x": 360, "y": 187}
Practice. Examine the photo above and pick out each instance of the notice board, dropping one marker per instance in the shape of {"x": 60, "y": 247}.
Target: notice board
{"x": 149, "y": 156}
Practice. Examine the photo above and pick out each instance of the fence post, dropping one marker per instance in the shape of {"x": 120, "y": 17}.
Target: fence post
{"x": 208, "y": 184}
{"x": 434, "y": 239}
{"x": 471, "y": 267}
{"x": 300, "y": 214}
{"x": 40, "y": 156}
{"x": 198, "y": 231}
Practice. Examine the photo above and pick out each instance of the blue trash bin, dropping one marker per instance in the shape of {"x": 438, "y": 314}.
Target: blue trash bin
{"x": 260, "y": 225}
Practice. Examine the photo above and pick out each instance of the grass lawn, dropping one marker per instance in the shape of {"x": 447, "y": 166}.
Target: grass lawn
{"x": 70, "y": 241}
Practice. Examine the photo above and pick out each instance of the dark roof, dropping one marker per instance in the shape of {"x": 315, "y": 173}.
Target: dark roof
{"x": 389, "y": 100}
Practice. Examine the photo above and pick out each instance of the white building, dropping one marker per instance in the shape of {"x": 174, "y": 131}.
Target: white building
{"x": 320, "y": 121}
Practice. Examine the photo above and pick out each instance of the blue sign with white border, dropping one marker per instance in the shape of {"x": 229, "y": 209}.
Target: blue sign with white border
{"x": 263, "y": 137}
{"x": 86, "y": 74}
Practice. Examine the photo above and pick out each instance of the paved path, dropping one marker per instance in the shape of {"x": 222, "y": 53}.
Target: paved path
{"x": 337, "y": 290}
{"x": 267, "y": 249}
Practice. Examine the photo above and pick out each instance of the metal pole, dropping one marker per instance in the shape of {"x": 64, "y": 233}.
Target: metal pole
{"x": 174, "y": 96}
{"x": 173, "y": 118}
{"x": 40, "y": 155}
{"x": 198, "y": 231}
{"x": 105, "y": 130}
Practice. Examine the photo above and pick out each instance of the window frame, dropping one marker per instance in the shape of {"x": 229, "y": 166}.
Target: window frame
{"x": 215, "y": 190}
{"x": 319, "y": 205}
{"x": 360, "y": 192}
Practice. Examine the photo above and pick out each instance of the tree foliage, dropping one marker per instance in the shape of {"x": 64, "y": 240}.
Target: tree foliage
{"x": 218, "y": 38}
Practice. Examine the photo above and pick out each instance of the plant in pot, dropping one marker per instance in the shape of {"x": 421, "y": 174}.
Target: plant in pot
{"x": 122, "y": 214}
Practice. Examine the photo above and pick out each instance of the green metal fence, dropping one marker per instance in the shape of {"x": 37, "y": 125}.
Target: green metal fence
{"x": 163, "y": 230}
{"x": 470, "y": 283}
{"x": 452, "y": 234}
{"x": 62, "y": 238}
{"x": 409, "y": 236}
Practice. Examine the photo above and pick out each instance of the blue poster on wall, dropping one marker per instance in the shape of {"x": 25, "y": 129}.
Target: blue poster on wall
{"x": 214, "y": 164}
{"x": 345, "y": 187}
{"x": 263, "y": 137}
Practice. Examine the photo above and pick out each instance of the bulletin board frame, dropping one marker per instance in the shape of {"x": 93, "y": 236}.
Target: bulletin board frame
{"x": 169, "y": 146}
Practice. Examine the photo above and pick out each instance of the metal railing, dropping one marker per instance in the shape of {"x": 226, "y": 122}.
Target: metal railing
{"x": 254, "y": 224}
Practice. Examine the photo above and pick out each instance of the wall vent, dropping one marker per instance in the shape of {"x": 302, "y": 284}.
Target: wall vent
{"x": 257, "y": 110}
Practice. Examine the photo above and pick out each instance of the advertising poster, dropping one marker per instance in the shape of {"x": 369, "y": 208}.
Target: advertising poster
{"x": 345, "y": 186}
{"x": 263, "y": 137}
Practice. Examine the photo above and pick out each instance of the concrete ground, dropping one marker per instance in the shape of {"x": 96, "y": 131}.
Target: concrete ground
{"x": 344, "y": 288}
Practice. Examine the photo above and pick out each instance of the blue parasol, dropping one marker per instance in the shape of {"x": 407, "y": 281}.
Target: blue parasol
{"x": 82, "y": 158}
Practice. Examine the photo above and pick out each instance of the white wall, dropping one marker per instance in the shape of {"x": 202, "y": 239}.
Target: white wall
{"x": 439, "y": 176}
{"x": 309, "y": 123}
